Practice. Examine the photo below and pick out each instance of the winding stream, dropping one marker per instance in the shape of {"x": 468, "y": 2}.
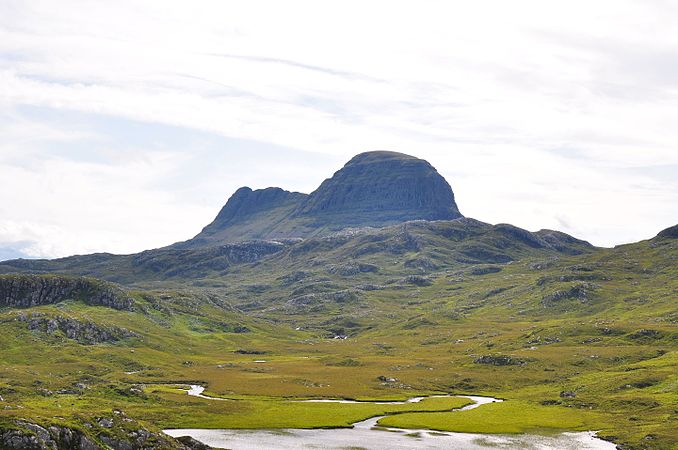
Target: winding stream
{"x": 368, "y": 435}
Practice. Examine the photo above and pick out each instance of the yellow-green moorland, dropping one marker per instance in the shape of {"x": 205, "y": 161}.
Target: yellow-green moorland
{"x": 573, "y": 342}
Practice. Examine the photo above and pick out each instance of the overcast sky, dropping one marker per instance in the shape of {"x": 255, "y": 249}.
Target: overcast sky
{"x": 126, "y": 125}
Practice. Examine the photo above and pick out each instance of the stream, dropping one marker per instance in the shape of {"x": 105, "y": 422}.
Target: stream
{"x": 364, "y": 435}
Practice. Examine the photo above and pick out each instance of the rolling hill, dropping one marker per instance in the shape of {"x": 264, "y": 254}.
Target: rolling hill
{"x": 373, "y": 286}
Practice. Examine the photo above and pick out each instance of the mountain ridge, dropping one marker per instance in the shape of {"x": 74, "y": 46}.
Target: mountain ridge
{"x": 373, "y": 189}
{"x": 376, "y": 195}
{"x": 462, "y": 241}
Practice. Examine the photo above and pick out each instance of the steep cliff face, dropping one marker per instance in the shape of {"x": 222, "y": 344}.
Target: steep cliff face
{"x": 250, "y": 214}
{"x": 24, "y": 291}
{"x": 381, "y": 188}
{"x": 373, "y": 189}
{"x": 83, "y": 331}
{"x": 245, "y": 203}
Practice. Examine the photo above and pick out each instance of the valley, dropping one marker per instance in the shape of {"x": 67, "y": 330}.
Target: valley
{"x": 572, "y": 337}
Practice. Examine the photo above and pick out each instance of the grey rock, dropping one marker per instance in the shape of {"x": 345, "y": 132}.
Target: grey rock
{"x": 669, "y": 233}
{"x": 385, "y": 379}
{"x": 83, "y": 331}
{"x": 484, "y": 270}
{"x": 24, "y": 291}
{"x": 499, "y": 360}
{"x": 375, "y": 188}
{"x": 32, "y": 436}
{"x": 416, "y": 280}
{"x": 191, "y": 444}
{"x": 579, "y": 292}
{"x": 87, "y": 444}
{"x": 178, "y": 261}
{"x": 352, "y": 269}
{"x": 105, "y": 422}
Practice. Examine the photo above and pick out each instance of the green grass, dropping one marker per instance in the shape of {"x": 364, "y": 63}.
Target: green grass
{"x": 514, "y": 416}
{"x": 425, "y": 337}
{"x": 251, "y": 412}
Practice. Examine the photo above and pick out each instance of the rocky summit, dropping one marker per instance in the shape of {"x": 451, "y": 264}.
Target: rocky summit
{"x": 374, "y": 189}
{"x": 378, "y": 188}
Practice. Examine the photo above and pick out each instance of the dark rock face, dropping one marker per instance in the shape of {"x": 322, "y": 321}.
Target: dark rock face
{"x": 82, "y": 331}
{"x": 245, "y": 202}
{"x": 25, "y": 435}
{"x": 376, "y": 188}
{"x": 669, "y": 233}
{"x": 186, "y": 262}
{"x": 373, "y": 189}
{"x": 499, "y": 360}
{"x": 191, "y": 443}
{"x": 35, "y": 437}
{"x": 33, "y": 290}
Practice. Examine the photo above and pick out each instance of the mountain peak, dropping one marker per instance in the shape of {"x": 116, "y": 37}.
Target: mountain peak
{"x": 245, "y": 202}
{"x": 377, "y": 156}
{"x": 373, "y": 189}
{"x": 382, "y": 187}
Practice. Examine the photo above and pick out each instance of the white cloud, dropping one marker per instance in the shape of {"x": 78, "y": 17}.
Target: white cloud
{"x": 540, "y": 114}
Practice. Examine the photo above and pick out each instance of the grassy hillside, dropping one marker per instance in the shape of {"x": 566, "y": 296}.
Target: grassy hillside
{"x": 573, "y": 337}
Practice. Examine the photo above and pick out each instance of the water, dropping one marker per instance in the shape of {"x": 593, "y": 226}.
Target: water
{"x": 364, "y": 435}
{"x": 379, "y": 440}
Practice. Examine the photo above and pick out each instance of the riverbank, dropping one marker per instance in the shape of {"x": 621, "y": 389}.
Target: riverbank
{"x": 370, "y": 434}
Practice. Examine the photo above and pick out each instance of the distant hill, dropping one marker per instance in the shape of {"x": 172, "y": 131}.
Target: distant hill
{"x": 446, "y": 244}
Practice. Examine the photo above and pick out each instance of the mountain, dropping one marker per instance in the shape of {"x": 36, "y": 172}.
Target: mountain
{"x": 260, "y": 214}
{"x": 381, "y": 188}
{"x": 446, "y": 244}
{"x": 371, "y": 287}
{"x": 374, "y": 189}
{"x": 377, "y": 198}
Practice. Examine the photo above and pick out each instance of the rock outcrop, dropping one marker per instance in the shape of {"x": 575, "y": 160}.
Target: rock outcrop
{"x": 580, "y": 291}
{"x": 315, "y": 302}
{"x": 35, "y": 437}
{"x": 669, "y": 233}
{"x": 83, "y": 331}
{"x": 187, "y": 262}
{"x": 23, "y": 291}
{"x": 109, "y": 433}
{"x": 499, "y": 360}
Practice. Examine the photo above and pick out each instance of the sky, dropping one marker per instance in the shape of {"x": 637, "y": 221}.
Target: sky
{"x": 126, "y": 125}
